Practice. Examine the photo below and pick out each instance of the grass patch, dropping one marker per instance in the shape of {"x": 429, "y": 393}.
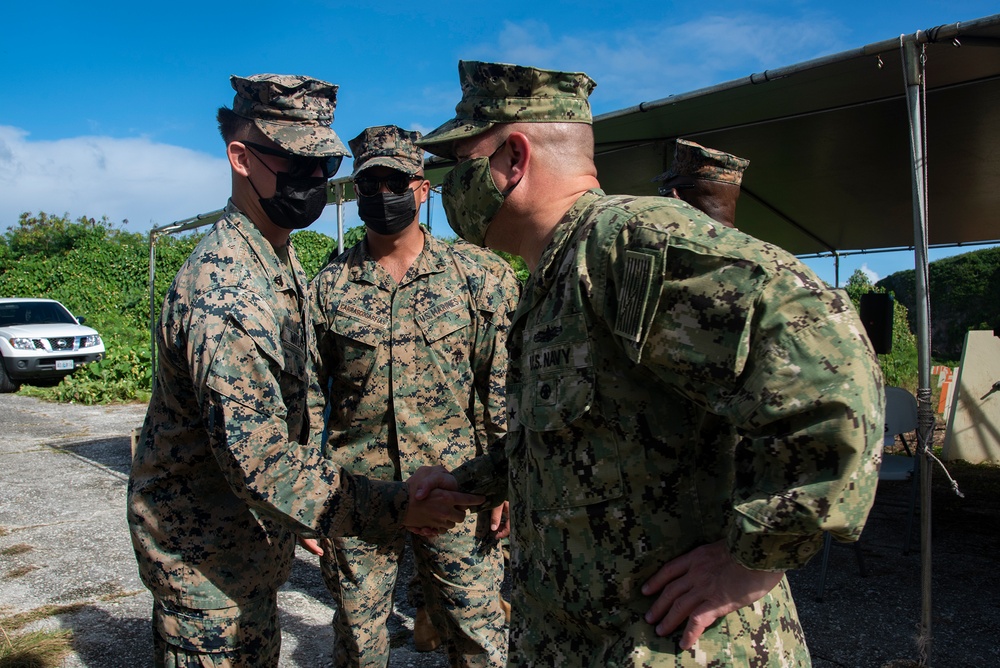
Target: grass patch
{"x": 37, "y": 649}
{"x": 107, "y": 598}
{"x": 22, "y": 619}
{"x": 20, "y": 571}
{"x": 14, "y": 550}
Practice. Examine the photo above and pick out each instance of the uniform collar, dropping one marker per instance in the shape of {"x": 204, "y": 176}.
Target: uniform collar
{"x": 548, "y": 264}
{"x": 431, "y": 260}
{"x": 273, "y": 268}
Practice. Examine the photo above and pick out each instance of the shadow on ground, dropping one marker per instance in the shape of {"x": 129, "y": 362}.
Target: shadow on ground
{"x": 873, "y": 621}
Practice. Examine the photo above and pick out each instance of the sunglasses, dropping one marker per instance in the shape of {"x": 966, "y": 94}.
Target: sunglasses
{"x": 301, "y": 165}
{"x": 397, "y": 183}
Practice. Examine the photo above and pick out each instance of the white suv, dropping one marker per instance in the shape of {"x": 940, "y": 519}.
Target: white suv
{"x": 41, "y": 340}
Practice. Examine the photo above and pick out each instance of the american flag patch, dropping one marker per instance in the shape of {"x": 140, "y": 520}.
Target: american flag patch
{"x": 633, "y": 296}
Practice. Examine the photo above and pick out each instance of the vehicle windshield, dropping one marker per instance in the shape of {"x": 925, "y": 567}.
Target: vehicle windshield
{"x": 34, "y": 313}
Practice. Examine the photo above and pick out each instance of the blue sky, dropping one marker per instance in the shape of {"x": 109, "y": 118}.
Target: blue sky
{"x": 108, "y": 108}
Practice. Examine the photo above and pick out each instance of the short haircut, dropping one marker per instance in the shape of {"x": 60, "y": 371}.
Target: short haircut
{"x": 232, "y": 126}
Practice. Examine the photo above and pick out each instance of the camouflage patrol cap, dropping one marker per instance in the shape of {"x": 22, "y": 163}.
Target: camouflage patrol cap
{"x": 387, "y": 146}
{"x": 499, "y": 93}
{"x": 694, "y": 161}
{"x": 294, "y": 111}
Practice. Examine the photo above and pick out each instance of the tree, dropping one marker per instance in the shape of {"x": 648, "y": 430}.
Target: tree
{"x": 965, "y": 294}
{"x": 53, "y": 235}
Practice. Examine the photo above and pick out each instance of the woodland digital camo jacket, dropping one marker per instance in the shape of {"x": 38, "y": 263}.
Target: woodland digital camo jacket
{"x": 432, "y": 345}
{"x": 646, "y": 339}
{"x": 221, "y": 476}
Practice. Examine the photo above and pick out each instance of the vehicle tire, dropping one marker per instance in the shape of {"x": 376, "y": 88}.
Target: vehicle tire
{"x": 6, "y": 384}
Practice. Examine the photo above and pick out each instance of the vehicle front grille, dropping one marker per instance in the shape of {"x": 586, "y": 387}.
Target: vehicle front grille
{"x": 62, "y": 343}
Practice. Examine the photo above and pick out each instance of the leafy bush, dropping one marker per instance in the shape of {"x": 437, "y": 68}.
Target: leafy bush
{"x": 353, "y": 236}
{"x": 516, "y": 262}
{"x": 101, "y": 271}
{"x": 313, "y": 249}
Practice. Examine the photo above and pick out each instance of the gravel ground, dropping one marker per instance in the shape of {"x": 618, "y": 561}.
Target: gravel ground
{"x": 64, "y": 470}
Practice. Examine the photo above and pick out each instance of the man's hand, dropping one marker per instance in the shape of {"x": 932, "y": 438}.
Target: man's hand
{"x": 701, "y": 586}
{"x": 500, "y": 521}
{"x": 435, "y": 506}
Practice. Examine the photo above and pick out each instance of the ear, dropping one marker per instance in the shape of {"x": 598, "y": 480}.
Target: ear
{"x": 239, "y": 158}
{"x": 517, "y": 157}
{"x": 423, "y": 191}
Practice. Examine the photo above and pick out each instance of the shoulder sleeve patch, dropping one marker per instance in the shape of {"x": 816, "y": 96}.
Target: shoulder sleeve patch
{"x": 634, "y": 295}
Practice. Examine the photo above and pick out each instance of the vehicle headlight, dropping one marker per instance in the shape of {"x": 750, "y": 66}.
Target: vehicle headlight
{"x": 20, "y": 343}
{"x": 90, "y": 341}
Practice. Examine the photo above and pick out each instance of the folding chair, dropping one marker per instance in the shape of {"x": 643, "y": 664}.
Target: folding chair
{"x": 900, "y": 419}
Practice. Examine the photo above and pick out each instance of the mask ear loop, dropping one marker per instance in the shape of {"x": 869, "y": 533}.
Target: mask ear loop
{"x": 257, "y": 155}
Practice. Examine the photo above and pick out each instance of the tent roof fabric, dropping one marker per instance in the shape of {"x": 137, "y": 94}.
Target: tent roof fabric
{"x": 829, "y": 144}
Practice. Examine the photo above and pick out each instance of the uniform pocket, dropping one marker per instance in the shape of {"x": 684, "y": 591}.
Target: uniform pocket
{"x": 443, "y": 318}
{"x": 572, "y": 457}
{"x": 358, "y": 341}
{"x": 214, "y": 631}
{"x": 557, "y": 372}
{"x": 295, "y": 360}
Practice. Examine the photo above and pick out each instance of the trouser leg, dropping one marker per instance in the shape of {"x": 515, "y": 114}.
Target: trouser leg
{"x": 361, "y": 577}
{"x": 461, "y": 586}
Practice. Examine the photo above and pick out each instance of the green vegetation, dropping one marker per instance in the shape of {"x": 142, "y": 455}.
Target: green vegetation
{"x": 35, "y": 649}
{"x": 965, "y": 294}
{"x": 19, "y": 572}
{"x": 900, "y": 366}
{"x": 14, "y": 550}
{"x": 101, "y": 271}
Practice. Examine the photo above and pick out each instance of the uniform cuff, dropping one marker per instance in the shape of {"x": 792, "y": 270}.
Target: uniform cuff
{"x": 379, "y": 508}
{"x": 485, "y": 475}
{"x": 770, "y": 551}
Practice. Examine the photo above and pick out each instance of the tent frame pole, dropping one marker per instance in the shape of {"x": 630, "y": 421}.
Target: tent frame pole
{"x": 340, "y": 217}
{"x": 914, "y": 70}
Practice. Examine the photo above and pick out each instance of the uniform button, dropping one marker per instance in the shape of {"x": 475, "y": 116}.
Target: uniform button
{"x": 807, "y": 549}
{"x": 545, "y": 391}
{"x": 278, "y": 281}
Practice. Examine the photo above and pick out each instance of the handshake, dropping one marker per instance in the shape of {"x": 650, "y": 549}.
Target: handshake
{"x": 436, "y": 505}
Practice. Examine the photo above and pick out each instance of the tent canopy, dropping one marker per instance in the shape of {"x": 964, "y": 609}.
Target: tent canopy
{"x": 829, "y": 144}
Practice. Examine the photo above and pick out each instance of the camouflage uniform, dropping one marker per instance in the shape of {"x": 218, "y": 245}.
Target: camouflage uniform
{"x": 416, "y": 374}
{"x": 216, "y": 491}
{"x": 643, "y": 323}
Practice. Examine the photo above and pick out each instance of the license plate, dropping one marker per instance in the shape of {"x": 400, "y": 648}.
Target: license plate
{"x": 64, "y": 365}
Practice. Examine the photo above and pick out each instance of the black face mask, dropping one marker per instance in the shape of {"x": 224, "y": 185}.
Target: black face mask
{"x": 297, "y": 202}
{"x": 387, "y": 213}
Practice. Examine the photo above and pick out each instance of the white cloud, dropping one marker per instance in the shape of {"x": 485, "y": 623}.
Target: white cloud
{"x": 654, "y": 59}
{"x": 148, "y": 183}
{"x": 870, "y": 273}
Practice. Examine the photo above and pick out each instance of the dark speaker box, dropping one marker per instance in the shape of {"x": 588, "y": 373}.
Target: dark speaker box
{"x": 876, "y": 314}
